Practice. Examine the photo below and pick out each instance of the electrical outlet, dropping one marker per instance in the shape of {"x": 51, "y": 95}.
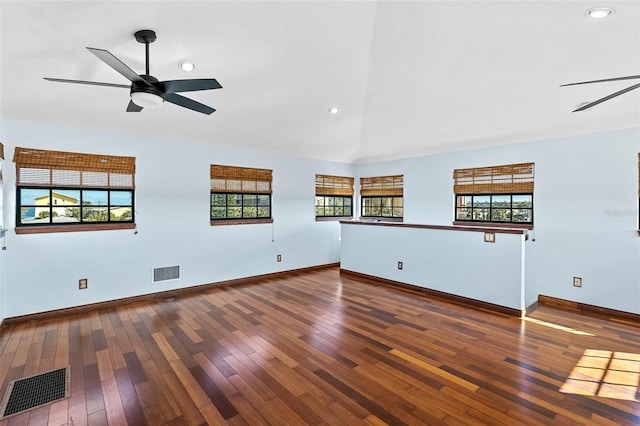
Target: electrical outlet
{"x": 577, "y": 281}
{"x": 489, "y": 237}
{"x": 83, "y": 283}
{"x": 400, "y": 265}
{"x": 279, "y": 258}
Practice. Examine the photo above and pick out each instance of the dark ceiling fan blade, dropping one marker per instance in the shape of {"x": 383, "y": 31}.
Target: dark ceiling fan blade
{"x": 93, "y": 83}
{"x": 133, "y": 107}
{"x": 606, "y": 98}
{"x": 188, "y": 103}
{"x": 630, "y": 77}
{"x": 115, "y": 63}
{"x": 176, "y": 86}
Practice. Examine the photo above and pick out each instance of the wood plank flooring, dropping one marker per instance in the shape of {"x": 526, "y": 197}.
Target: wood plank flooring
{"x": 319, "y": 348}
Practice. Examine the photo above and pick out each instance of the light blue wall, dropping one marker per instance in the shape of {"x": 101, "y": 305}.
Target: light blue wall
{"x": 172, "y": 217}
{"x": 455, "y": 262}
{"x": 586, "y": 206}
{"x": 586, "y": 210}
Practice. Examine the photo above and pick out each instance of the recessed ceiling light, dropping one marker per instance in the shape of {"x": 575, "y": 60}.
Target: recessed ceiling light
{"x": 599, "y": 12}
{"x": 186, "y": 65}
{"x": 334, "y": 110}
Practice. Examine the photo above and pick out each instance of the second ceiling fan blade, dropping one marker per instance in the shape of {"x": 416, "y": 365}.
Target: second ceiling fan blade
{"x": 629, "y": 77}
{"x": 93, "y": 83}
{"x": 188, "y": 103}
{"x": 133, "y": 107}
{"x": 115, "y": 63}
{"x": 175, "y": 86}
{"x": 606, "y": 98}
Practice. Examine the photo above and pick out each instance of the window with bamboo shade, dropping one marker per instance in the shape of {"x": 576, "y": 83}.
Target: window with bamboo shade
{"x": 496, "y": 194}
{"x": 240, "y": 195}
{"x": 334, "y": 197}
{"x": 382, "y": 197}
{"x": 69, "y": 191}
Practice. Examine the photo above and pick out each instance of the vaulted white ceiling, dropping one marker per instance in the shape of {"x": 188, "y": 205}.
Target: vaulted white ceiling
{"x": 409, "y": 77}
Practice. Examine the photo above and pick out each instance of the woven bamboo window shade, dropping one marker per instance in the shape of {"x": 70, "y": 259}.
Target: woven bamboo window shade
{"x": 334, "y": 185}
{"x": 39, "y": 167}
{"x": 382, "y": 186}
{"x": 240, "y": 179}
{"x": 506, "y": 179}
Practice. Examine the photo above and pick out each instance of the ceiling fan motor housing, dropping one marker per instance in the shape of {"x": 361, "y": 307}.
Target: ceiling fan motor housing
{"x": 155, "y": 100}
{"x": 150, "y": 88}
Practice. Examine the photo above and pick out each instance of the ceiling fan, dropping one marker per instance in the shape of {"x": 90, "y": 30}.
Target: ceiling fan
{"x": 611, "y": 96}
{"x": 146, "y": 91}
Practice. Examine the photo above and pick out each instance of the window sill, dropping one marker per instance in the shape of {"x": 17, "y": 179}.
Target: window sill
{"x": 332, "y": 218}
{"x": 495, "y": 225}
{"x": 239, "y": 222}
{"x": 45, "y": 229}
{"x": 381, "y": 219}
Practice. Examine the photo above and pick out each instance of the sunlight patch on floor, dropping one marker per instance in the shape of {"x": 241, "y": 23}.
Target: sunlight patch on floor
{"x": 557, "y": 326}
{"x": 605, "y": 374}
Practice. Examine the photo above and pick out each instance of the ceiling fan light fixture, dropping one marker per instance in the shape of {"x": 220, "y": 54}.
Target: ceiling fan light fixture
{"x": 599, "y": 12}
{"x": 185, "y": 65}
{"x": 147, "y": 100}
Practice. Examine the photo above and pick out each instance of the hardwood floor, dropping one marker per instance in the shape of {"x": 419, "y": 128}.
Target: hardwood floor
{"x": 321, "y": 348}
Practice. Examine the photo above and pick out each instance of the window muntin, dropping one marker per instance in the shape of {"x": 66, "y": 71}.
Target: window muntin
{"x": 240, "y": 194}
{"x": 334, "y": 196}
{"x": 54, "y": 206}
{"x": 495, "y": 208}
{"x": 495, "y": 194}
{"x": 235, "y": 206}
{"x": 72, "y": 189}
{"x": 334, "y": 206}
{"x": 379, "y": 206}
{"x": 382, "y": 196}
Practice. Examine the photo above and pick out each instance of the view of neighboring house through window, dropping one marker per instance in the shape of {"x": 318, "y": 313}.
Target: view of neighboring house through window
{"x": 67, "y": 188}
{"x": 334, "y": 196}
{"x": 240, "y": 195}
{"x": 497, "y": 194}
{"x": 382, "y": 197}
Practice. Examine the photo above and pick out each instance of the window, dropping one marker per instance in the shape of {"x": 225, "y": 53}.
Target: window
{"x": 498, "y": 194}
{"x": 334, "y": 196}
{"x": 67, "y": 191}
{"x": 501, "y": 208}
{"x": 240, "y": 195}
{"x": 382, "y": 197}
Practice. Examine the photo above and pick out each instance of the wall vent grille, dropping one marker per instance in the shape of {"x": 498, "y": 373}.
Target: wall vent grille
{"x": 166, "y": 273}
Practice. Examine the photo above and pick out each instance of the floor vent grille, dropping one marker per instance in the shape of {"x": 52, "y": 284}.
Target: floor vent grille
{"x": 166, "y": 273}
{"x": 35, "y": 391}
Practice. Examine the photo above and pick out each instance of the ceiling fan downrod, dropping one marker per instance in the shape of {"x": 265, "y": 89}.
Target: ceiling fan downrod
{"x": 146, "y": 37}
